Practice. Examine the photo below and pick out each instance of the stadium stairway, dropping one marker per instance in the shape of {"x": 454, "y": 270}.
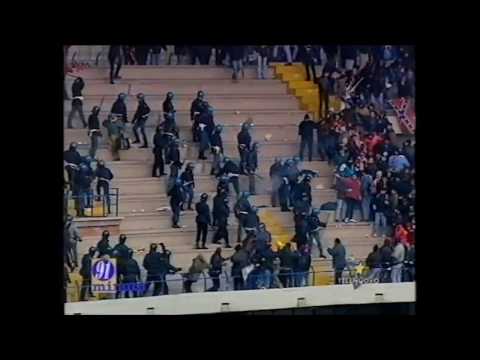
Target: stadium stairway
{"x": 273, "y": 110}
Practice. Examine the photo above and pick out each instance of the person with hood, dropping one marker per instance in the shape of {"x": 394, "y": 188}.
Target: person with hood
{"x": 115, "y": 130}
{"x": 338, "y": 259}
{"x": 232, "y": 171}
{"x": 216, "y": 264}
{"x": 157, "y": 268}
{"x": 202, "y": 220}
{"x": 77, "y": 102}
{"x": 119, "y": 111}
{"x": 244, "y": 141}
{"x": 72, "y": 160}
{"x": 104, "y": 176}
{"x": 221, "y": 211}
{"x": 195, "y": 111}
{"x": 94, "y": 131}
{"x": 276, "y": 178}
{"x": 177, "y": 197}
{"x": 199, "y": 264}
{"x": 130, "y": 276}
{"x": 374, "y": 263}
{"x": 284, "y": 194}
{"x": 139, "y": 120}
{"x": 241, "y": 209}
{"x": 86, "y": 273}
{"x": 301, "y": 267}
{"x": 160, "y": 141}
{"x": 252, "y": 166}
{"x": 115, "y": 58}
{"x": 305, "y": 131}
{"x": 188, "y": 183}
{"x": 72, "y": 237}
{"x": 239, "y": 261}
{"x": 315, "y": 231}
{"x": 103, "y": 246}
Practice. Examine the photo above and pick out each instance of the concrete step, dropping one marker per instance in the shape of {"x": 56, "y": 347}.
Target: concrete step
{"x": 234, "y": 103}
{"x": 168, "y": 72}
{"x": 188, "y": 87}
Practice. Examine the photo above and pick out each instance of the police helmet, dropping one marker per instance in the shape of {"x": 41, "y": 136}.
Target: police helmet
{"x": 140, "y": 96}
{"x": 122, "y": 96}
{"x": 200, "y": 94}
{"x": 204, "y": 196}
{"x": 170, "y": 95}
{"x": 122, "y": 238}
{"x": 219, "y": 128}
{"x": 92, "y": 250}
{"x": 96, "y": 109}
{"x": 153, "y": 247}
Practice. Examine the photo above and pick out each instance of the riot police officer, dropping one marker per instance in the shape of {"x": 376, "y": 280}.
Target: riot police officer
{"x": 157, "y": 268}
{"x": 221, "y": 212}
{"x": 202, "y": 220}
{"x": 173, "y": 154}
{"x": 216, "y": 138}
{"x": 72, "y": 160}
{"x": 232, "y": 171}
{"x": 188, "y": 183}
{"x": 103, "y": 246}
{"x": 119, "y": 110}
{"x": 177, "y": 197}
{"x": 241, "y": 209}
{"x": 121, "y": 252}
{"x": 251, "y": 221}
{"x": 204, "y": 141}
{"x": 85, "y": 272}
{"x": 251, "y": 166}
{"x": 131, "y": 274}
{"x": 284, "y": 194}
{"x": 104, "y": 176}
{"x": 139, "y": 120}
{"x": 77, "y": 102}
{"x": 94, "y": 131}
{"x": 160, "y": 141}
{"x": 195, "y": 111}
{"x": 244, "y": 140}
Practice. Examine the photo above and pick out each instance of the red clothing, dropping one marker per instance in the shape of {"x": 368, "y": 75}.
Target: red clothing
{"x": 411, "y": 237}
{"x": 401, "y": 234}
{"x": 356, "y": 187}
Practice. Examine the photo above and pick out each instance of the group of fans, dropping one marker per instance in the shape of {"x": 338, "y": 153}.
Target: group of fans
{"x": 373, "y": 175}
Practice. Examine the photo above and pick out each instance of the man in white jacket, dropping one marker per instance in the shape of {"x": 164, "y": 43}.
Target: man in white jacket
{"x": 398, "y": 255}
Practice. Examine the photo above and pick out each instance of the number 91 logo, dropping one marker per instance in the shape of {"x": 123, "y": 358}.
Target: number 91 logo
{"x": 103, "y": 270}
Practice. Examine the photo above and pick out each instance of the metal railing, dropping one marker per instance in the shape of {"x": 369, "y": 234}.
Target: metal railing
{"x": 89, "y": 204}
{"x": 176, "y": 283}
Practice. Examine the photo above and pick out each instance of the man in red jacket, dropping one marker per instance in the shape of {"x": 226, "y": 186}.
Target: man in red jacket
{"x": 353, "y": 196}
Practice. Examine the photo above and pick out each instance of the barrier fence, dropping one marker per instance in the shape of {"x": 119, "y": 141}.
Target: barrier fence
{"x": 183, "y": 283}
{"x": 87, "y": 203}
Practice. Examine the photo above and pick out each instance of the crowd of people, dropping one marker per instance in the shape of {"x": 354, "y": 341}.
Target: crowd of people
{"x": 373, "y": 175}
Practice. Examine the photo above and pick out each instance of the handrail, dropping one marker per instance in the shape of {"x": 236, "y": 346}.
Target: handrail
{"x": 88, "y": 197}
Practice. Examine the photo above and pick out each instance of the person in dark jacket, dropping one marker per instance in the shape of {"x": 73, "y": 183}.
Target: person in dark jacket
{"x": 103, "y": 246}
{"x": 262, "y": 61}
{"x": 204, "y": 140}
{"x": 244, "y": 140}
{"x": 115, "y": 130}
{"x": 160, "y": 141}
{"x": 77, "y": 102}
{"x": 221, "y": 212}
{"x": 120, "y": 252}
{"x": 284, "y": 194}
{"x": 173, "y": 154}
{"x": 315, "y": 230}
{"x": 252, "y": 166}
{"x": 301, "y": 266}
{"x": 94, "y": 131}
{"x": 252, "y": 221}
{"x": 232, "y": 171}
{"x": 86, "y": 273}
{"x": 131, "y": 275}
{"x": 177, "y": 197}
{"x": 195, "y": 111}
{"x": 82, "y": 188}
{"x": 241, "y": 209}
{"x": 239, "y": 261}
{"x": 409, "y": 264}
{"x": 287, "y": 260}
{"x": 72, "y": 160}
{"x": 301, "y": 228}
{"x": 104, "y": 176}
{"x": 141, "y": 54}
{"x": 188, "y": 183}
{"x": 338, "y": 259}
{"x": 156, "y": 51}
{"x": 206, "y": 118}
{"x": 139, "y": 120}
{"x": 276, "y": 178}
{"x": 119, "y": 110}
{"x": 157, "y": 269}
{"x": 374, "y": 263}
{"x": 380, "y": 206}
{"x": 236, "y": 57}
{"x": 305, "y": 130}
{"x": 386, "y": 258}
{"x": 115, "y": 58}
{"x": 167, "y": 105}
{"x": 309, "y": 59}
{"x": 202, "y": 220}
{"x": 216, "y": 263}
{"x": 216, "y": 138}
